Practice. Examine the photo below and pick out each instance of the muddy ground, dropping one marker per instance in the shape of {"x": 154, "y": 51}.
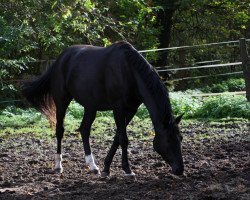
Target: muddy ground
{"x": 216, "y": 160}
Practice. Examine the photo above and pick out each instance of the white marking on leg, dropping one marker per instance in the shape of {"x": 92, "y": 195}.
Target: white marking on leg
{"x": 130, "y": 174}
{"x": 91, "y": 162}
{"x": 58, "y": 162}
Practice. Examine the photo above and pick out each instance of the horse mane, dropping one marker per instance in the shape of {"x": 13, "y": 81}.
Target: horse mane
{"x": 151, "y": 79}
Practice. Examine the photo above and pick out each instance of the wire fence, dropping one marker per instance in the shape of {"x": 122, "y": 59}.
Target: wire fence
{"x": 193, "y": 46}
{"x": 206, "y": 76}
{"x": 201, "y": 65}
{"x": 190, "y": 95}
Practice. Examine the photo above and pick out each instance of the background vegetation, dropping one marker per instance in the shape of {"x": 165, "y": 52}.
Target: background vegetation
{"x": 37, "y": 30}
{"x": 14, "y": 119}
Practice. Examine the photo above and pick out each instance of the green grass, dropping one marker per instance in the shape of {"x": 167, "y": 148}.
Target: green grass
{"x": 16, "y": 121}
{"x": 218, "y": 108}
{"x": 225, "y": 106}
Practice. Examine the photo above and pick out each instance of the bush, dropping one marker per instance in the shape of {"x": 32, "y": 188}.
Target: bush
{"x": 224, "y": 107}
{"x": 236, "y": 84}
{"x": 182, "y": 102}
{"x": 230, "y": 85}
{"x": 75, "y": 110}
{"x": 217, "y": 88}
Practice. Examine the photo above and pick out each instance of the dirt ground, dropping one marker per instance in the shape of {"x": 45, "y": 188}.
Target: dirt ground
{"x": 216, "y": 158}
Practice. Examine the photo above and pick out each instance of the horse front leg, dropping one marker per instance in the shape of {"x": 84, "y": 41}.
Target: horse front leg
{"x": 110, "y": 156}
{"x": 88, "y": 119}
{"x": 123, "y": 139}
{"x": 120, "y": 120}
{"x": 108, "y": 160}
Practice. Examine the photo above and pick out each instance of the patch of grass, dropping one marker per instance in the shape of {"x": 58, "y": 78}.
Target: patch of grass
{"x": 222, "y": 109}
{"x": 216, "y": 107}
{"x": 183, "y": 102}
{"x": 226, "y": 106}
{"x": 16, "y": 121}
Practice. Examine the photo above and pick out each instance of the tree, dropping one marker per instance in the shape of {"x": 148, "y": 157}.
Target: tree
{"x": 34, "y": 30}
{"x": 165, "y": 22}
{"x": 40, "y": 29}
{"x": 197, "y": 22}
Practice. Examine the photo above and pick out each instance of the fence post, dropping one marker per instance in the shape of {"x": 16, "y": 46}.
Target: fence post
{"x": 183, "y": 83}
{"x": 245, "y": 65}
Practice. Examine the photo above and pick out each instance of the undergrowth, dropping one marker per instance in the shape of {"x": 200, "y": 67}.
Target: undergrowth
{"x": 231, "y": 85}
{"x": 223, "y": 106}
{"x": 17, "y": 120}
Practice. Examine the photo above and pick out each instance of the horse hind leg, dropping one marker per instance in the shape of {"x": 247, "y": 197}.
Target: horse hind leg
{"x": 85, "y": 128}
{"x": 61, "y": 107}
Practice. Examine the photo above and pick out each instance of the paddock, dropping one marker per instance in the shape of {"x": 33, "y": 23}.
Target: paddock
{"x": 216, "y": 159}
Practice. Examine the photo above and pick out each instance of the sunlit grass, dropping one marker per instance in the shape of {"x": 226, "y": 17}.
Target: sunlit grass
{"x": 219, "y": 109}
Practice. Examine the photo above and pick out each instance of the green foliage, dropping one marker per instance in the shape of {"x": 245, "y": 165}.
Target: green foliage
{"x": 182, "y": 102}
{"x": 208, "y": 21}
{"x": 224, "y": 107}
{"x": 216, "y": 88}
{"x": 138, "y": 23}
{"x": 236, "y": 84}
{"x": 142, "y": 112}
{"x": 201, "y": 22}
{"x": 17, "y": 117}
{"x": 230, "y": 85}
{"x": 33, "y": 30}
{"x": 15, "y": 120}
{"x": 75, "y": 110}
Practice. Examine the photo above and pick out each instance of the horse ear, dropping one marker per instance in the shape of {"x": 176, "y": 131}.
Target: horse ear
{"x": 178, "y": 119}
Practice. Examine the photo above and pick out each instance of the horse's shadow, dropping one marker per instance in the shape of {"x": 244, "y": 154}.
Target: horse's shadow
{"x": 98, "y": 188}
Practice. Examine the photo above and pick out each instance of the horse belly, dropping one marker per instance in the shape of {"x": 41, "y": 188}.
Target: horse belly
{"x": 95, "y": 94}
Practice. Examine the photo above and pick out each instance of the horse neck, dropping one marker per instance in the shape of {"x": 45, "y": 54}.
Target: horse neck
{"x": 157, "y": 103}
{"x": 151, "y": 89}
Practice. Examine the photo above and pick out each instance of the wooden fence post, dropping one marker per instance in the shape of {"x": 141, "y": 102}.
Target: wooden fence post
{"x": 182, "y": 63}
{"x": 245, "y": 59}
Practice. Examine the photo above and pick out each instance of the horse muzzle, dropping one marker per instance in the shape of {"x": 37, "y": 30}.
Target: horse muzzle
{"x": 177, "y": 169}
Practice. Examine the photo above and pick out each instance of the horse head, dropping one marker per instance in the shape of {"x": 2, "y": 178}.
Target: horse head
{"x": 167, "y": 143}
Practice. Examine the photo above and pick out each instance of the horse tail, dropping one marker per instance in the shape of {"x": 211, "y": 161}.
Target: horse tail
{"x": 38, "y": 94}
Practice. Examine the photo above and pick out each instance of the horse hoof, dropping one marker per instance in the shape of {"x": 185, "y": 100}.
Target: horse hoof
{"x": 58, "y": 170}
{"x": 104, "y": 174}
{"x": 130, "y": 176}
{"x": 95, "y": 171}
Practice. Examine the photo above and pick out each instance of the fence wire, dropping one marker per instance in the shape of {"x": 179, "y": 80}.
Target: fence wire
{"x": 161, "y": 69}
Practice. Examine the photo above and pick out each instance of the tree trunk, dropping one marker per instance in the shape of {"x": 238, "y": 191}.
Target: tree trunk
{"x": 245, "y": 65}
{"x": 165, "y": 21}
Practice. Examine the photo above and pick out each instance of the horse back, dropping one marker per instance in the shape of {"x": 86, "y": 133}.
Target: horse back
{"x": 96, "y": 77}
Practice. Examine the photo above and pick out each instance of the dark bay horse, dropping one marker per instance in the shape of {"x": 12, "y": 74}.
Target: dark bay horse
{"x": 115, "y": 78}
